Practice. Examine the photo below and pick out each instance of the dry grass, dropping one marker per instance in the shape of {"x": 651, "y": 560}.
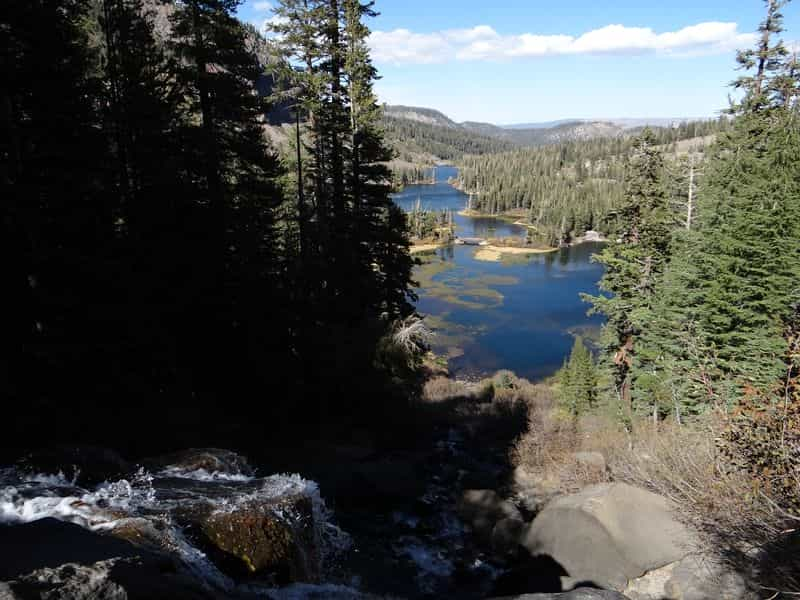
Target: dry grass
{"x": 442, "y": 389}
{"x": 548, "y": 449}
{"x": 739, "y": 523}
{"x": 738, "y": 520}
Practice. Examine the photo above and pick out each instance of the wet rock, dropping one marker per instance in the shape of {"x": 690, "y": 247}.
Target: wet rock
{"x": 259, "y": 539}
{"x": 50, "y": 543}
{"x": 482, "y": 509}
{"x": 54, "y": 560}
{"x": 72, "y": 582}
{"x": 201, "y": 461}
{"x": 609, "y": 534}
{"x": 506, "y": 537}
{"x": 145, "y": 533}
{"x": 86, "y": 465}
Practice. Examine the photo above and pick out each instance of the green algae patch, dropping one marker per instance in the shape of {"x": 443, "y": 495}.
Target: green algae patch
{"x": 497, "y": 280}
{"x": 440, "y": 279}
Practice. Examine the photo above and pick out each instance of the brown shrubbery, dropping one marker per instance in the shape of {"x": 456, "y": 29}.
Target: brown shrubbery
{"x": 745, "y": 515}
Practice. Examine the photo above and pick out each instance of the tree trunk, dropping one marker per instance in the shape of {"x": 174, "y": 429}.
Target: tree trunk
{"x": 690, "y": 203}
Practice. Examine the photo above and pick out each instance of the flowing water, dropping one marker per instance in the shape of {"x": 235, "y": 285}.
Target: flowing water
{"x": 519, "y": 314}
{"x": 156, "y": 499}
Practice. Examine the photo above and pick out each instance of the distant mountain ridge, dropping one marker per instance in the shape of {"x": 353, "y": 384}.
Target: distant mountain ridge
{"x": 625, "y": 122}
{"x": 533, "y": 134}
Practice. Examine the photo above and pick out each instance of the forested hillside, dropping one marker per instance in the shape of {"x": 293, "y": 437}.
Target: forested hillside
{"x": 699, "y": 360}
{"x": 565, "y": 189}
{"x": 167, "y": 261}
{"x": 415, "y": 139}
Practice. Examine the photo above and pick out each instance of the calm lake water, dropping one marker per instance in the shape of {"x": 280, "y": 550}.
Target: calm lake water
{"x": 519, "y": 314}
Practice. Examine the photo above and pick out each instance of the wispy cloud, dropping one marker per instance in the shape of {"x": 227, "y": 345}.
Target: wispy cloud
{"x": 262, "y": 6}
{"x": 483, "y": 43}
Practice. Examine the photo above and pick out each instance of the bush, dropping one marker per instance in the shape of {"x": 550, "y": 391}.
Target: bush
{"x": 440, "y": 389}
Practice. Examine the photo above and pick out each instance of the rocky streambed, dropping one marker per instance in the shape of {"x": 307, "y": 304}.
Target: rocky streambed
{"x": 446, "y": 519}
{"x": 202, "y": 523}
{"x": 197, "y": 524}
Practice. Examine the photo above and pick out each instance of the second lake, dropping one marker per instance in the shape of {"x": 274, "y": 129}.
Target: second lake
{"x": 519, "y": 314}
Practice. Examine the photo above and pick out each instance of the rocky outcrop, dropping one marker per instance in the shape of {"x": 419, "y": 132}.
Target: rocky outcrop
{"x": 609, "y": 534}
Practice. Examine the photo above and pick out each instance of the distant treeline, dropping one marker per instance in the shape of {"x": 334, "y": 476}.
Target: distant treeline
{"x": 568, "y": 188}
{"x": 413, "y": 139}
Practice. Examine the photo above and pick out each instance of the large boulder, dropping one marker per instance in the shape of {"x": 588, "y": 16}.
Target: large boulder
{"x": 483, "y": 510}
{"x": 609, "y": 534}
{"x": 265, "y": 539}
{"x": 54, "y": 560}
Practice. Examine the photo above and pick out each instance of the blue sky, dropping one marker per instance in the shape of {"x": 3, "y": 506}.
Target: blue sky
{"x": 513, "y": 61}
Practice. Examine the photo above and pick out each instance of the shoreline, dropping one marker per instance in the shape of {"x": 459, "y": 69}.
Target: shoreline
{"x": 420, "y": 248}
{"x": 491, "y": 253}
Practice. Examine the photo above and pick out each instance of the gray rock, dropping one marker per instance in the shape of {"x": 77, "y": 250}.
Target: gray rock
{"x": 593, "y": 461}
{"x": 609, "y": 534}
{"x": 483, "y": 509}
{"x": 506, "y": 536}
{"x": 532, "y": 490}
{"x": 702, "y": 578}
{"x": 695, "y": 577}
{"x": 578, "y": 594}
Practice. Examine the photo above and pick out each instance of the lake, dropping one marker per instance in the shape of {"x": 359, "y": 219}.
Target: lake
{"x": 519, "y": 314}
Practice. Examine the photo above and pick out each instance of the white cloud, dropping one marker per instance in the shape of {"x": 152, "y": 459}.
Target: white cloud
{"x": 402, "y": 46}
{"x": 262, "y": 6}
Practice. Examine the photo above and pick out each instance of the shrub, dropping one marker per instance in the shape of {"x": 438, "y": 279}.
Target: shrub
{"x": 440, "y": 389}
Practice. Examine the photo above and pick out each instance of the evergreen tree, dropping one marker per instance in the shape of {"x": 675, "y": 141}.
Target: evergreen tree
{"x": 375, "y": 215}
{"x": 578, "y": 381}
{"x": 633, "y": 265}
{"x": 716, "y": 329}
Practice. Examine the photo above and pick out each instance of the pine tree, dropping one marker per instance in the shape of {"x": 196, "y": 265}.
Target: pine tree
{"x": 633, "y": 265}
{"x": 716, "y": 330}
{"x": 578, "y": 381}
{"x": 374, "y": 214}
